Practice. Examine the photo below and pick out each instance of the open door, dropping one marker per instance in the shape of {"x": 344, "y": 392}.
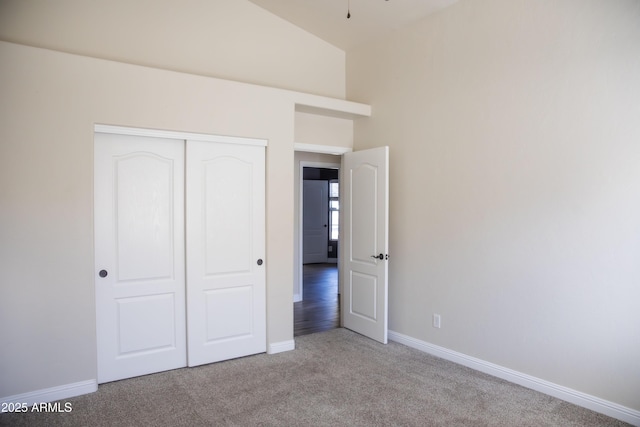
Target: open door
{"x": 365, "y": 243}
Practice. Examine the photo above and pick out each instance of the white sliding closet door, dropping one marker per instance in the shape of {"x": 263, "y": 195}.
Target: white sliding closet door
{"x": 167, "y": 280}
{"x": 139, "y": 254}
{"x": 225, "y": 251}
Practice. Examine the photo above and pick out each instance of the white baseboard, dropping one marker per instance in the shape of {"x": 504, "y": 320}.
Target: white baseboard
{"x": 573, "y": 396}
{"x": 280, "y": 347}
{"x": 54, "y": 393}
{"x": 297, "y": 297}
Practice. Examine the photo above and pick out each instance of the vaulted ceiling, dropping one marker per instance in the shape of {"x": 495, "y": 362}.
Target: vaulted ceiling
{"x": 369, "y": 19}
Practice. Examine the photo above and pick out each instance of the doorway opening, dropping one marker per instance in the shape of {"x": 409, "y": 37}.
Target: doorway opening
{"x": 318, "y": 308}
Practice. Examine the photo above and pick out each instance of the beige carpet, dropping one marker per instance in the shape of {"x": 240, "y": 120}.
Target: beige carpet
{"x": 334, "y": 378}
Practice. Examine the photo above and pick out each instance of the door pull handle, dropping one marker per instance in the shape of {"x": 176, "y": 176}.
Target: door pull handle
{"x": 381, "y": 256}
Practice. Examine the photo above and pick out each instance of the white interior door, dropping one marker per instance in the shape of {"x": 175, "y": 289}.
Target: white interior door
{"x": 365, "y": 255}
{"x": 225, "y": 251}
{"x": 315, "y": 220}
{"x": 139, "y": 255}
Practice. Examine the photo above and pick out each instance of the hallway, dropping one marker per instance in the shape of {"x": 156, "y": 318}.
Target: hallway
{"x": 320, "y": 308}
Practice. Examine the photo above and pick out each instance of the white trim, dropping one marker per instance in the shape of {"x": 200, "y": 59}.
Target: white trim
{"x": 323, "y": 149}
{"x": 297, "y": 297}
{"x": 280, "y": 347}
{"x": 573, "y": 396}
{"x": 54, "y": 393}
{"x": 154, "y": 133}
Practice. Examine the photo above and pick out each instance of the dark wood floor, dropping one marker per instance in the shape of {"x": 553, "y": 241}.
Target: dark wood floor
{"x": 320, "y": 308}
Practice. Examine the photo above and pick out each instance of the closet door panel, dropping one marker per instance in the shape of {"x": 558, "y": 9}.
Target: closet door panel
{"x": 139, "y": 255}
{"x": 226, "y": 295}
{"x": 227, "y": 195}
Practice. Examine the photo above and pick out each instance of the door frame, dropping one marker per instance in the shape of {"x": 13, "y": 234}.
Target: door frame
{"x": 298, "y": 293}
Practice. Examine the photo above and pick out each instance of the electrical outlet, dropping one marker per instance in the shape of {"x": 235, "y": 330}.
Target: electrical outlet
{"x": 436, "y": 321}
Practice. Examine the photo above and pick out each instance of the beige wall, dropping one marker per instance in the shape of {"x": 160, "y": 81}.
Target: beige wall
{"x": 514, "y": 136}
{"x": 230, "y": 39}
{"x": 323, "y": 130}
{"x": 50, "y": 103}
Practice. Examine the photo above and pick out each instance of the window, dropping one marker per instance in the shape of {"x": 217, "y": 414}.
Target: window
{"x": 334, "y": 209}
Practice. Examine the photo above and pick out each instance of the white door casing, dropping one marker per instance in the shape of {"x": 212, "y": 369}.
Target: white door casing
{"x": 366, "y": 212}
{"x": 226, "y": 284}
{"x": 139, "y": 235}
{"x": 315, "y": 220}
